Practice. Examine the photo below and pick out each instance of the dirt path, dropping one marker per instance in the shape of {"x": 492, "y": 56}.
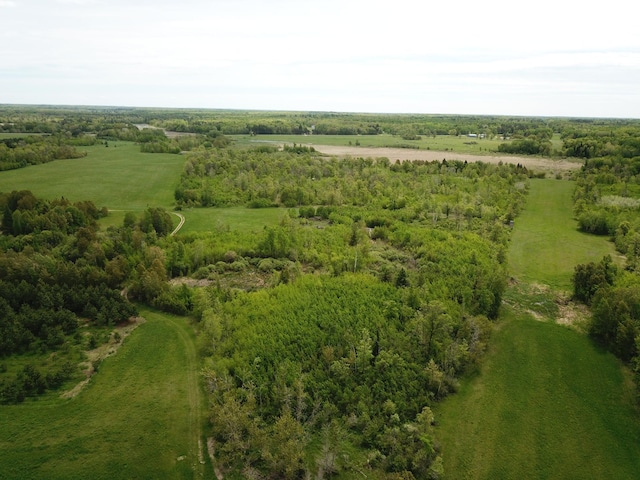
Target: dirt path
{"x": 177, "y": 229}
{"x": 393, "y": 154}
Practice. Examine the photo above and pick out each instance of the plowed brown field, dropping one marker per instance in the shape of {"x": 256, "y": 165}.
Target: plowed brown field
{"x": 393, "y": 154}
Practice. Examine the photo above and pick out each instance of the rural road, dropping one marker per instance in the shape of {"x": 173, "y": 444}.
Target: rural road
{"x": 182, "y": 220}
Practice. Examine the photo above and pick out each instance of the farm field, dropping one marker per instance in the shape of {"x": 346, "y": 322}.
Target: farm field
{"x": 462, "y": 144}
{"x": 547, "y": 402}
{"x": 119, "y": 177}
{"x": 401, "y": 154}
{"x": 139, "y": 417}
{"x": 450, "y": 148}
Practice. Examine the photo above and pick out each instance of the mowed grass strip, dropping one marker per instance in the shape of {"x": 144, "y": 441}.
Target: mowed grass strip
{"x": 546, "y": 244}
{"x": 139, "y": 417}
{"x": 119, "y": 177}
{"x": 547, "y": 403}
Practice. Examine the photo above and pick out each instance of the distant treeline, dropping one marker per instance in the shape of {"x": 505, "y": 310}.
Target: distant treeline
{"x": 582, "y": 137}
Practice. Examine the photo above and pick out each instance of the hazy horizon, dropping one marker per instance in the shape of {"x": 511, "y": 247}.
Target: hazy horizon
{"x": 546, "y": 60}
{"x": 277, "y": 110}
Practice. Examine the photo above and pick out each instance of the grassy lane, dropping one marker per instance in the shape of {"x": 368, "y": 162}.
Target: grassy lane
{"x": 546, "y": 244}
{"x": 547, "y": 403}
{"x": 195, "y": 398}
{"x": 139, "y": 417}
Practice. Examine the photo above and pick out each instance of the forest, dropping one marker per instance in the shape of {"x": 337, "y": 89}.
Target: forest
{"x": 326, "y": 338}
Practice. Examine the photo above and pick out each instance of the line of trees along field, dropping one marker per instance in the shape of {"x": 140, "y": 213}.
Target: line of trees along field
{"x": 325, "y": 338}
{"x": 606, "y": 202}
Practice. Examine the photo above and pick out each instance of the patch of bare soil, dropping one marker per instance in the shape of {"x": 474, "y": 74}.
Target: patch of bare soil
{"x": 190, "y": 282}
{"x": 211, "y": 449}
{"x": 393, "y": 154}
{"x": 537, "y": 316}
{"x": 249, "y": 281}
{"x": 172, "y": 134}
{"x": 573, "y": 315}
{"x": 117, "y": 336}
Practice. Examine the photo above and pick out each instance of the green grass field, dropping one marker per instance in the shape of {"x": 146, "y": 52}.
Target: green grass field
{"x": 460, "y": 144}
{"x": 139, "y": 417}
{"x": 119, "y": 177}
{"x": 546, "y": 403}
{"x": 240, "y": 219}
{"x": 123, "y": 179}
{"x": 546, "y": 244}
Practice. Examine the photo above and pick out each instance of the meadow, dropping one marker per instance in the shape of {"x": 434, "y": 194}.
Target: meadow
{"x": 139, "y": 417}
{"x": 119, "y": 177}
{"x": 112, "y": 176}
{"x": 546, "y": 402}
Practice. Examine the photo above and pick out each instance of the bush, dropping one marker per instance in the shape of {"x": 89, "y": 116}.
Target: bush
{"x": 589, "y": 278}
{"x": 596, "y": 222}
{"x": 261, "y": 203}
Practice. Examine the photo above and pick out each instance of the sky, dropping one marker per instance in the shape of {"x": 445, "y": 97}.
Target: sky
{"x": 493, "y": 57}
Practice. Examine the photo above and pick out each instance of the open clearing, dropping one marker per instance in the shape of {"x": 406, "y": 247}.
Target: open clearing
{"x": 139, "y": 417}
{"x": 547, "y": 402}
{"x": 393, "y": 154}
{"x": 241, "y": 219}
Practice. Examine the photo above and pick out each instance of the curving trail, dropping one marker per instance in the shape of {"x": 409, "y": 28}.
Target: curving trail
{"x": 182, "y": 220}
